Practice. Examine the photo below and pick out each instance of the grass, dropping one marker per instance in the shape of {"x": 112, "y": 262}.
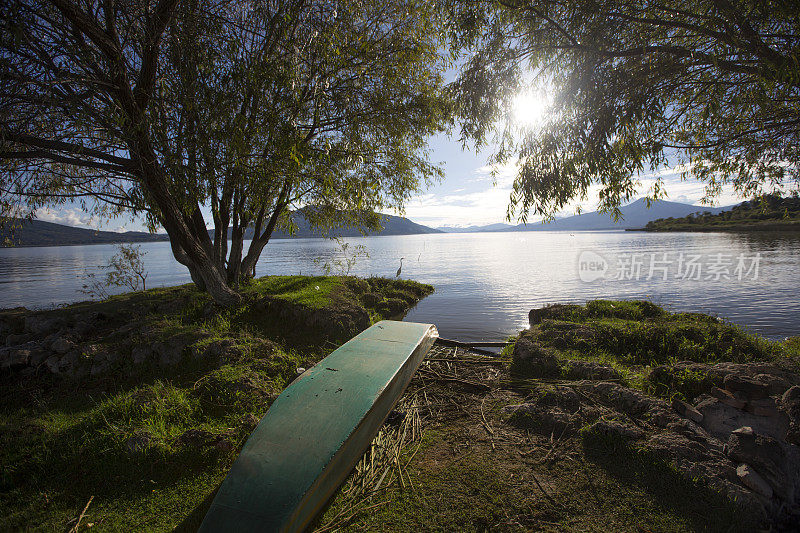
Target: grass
{"x": 636, "y": 337}
{"x": 150, "y": 444}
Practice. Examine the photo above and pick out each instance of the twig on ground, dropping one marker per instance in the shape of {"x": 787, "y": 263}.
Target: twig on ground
{"x": 80, "y": 517}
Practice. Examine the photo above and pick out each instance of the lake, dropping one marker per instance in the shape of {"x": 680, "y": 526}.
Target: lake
{"x": 487, "y": 282}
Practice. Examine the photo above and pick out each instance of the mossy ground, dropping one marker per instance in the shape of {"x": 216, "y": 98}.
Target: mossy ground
{"x": 64, "y": 441}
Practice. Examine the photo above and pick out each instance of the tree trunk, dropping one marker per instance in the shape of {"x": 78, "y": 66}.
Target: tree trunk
{"x": 193, "y": 251}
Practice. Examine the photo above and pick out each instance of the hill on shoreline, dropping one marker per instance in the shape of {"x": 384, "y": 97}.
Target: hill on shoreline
{"x": 41, "y": 233}
{"x": 771, "y": 213}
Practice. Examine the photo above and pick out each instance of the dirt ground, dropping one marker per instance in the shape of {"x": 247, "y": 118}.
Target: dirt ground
{"x": 467, "y": 468}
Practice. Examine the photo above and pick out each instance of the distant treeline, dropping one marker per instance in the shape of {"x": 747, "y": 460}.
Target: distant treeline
{"x": 770, "y": 212}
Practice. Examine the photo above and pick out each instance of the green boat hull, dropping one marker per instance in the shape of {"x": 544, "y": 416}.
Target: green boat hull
{"x": 316, "y": 431}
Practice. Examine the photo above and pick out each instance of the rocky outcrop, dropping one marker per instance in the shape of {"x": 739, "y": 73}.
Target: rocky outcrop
{"x": 738, "y": 439}
{"x": 337, "y": 322}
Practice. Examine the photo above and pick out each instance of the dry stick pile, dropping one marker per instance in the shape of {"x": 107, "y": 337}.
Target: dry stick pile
{"x": 448, "y": 380}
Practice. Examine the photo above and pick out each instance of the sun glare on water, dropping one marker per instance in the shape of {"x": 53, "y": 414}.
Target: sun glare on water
{"x": 530, "y": 109}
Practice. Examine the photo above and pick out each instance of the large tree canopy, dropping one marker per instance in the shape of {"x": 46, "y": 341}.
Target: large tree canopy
{"x": 714, "y": 82}
{"x": 247, "y": 109}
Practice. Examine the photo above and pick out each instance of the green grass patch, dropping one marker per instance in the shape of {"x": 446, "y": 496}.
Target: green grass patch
{"x": 637, "y": 339}
{"x": 641, "y": 333}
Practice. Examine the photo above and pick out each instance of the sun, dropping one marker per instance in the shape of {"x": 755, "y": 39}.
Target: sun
{"x": 530, "y": 108}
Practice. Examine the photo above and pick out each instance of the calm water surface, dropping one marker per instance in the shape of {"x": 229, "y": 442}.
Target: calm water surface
{"x": 487, "y": 282}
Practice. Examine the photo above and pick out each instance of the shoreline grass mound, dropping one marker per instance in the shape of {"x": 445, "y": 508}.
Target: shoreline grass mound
{"x": 718, "y": 404}
{"x": 142, "y": 401}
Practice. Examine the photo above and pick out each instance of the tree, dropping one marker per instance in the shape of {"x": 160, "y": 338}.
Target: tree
{"x": 714, "y": 83}
{"x": 125, "y": 269}
{"x": 247, "y": 109}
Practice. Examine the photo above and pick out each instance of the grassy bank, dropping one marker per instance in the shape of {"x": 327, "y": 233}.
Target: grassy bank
{"x": 644, "y": 345}
{"x": 165, "y": 387}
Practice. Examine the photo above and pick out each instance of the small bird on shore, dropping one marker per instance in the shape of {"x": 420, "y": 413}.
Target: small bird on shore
{"x": 399, "y": 269}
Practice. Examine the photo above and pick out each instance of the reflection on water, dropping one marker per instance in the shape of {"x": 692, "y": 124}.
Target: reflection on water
{"x": 485, "y": 282}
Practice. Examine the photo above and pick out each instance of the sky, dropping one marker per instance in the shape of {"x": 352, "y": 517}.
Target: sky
{"x": 468, "y": 195}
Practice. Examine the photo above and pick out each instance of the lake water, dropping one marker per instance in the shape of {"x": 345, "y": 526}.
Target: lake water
{"x": 487, "y": 282}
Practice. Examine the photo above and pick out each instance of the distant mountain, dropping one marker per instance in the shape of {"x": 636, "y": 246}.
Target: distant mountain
{"x": 392, "y": 225}
{"x": 474, "y": 229}
{"x": 634, "y": 215}
{"x": 40, "y": 233}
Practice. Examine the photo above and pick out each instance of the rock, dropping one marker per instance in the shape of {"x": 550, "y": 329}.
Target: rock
{"x": 15, "y": 357}
{"x": 686, "y": 410}
{"x": 52, "y": 364}
{"x": 791, "y": 400}
{"x": 763, "y": 407}
{"x": 680, "y": 449}
{"x": 776, "y": 462}
{"x": 68, "y": 362}
{"x": 776, "y": 384}
{"x": 535, "y": 316}
{"x": 749, "y": 386}
{"x": 140, "y": 354}
{"x": 727, "y": 398}
{"x": 623, "y": 399}
{"x": 532, "y": 359}
{"x": 589, "y": 370}
{"x": 5, "y": 328}
{"x": 138, "y": 442}
{"x": 721, "y": 419}
{"x": 748, "y": 501}
{"x": 753, "y": 481}
{"x": 38, "y": 357}
{"x": 62, "y": 345}
{"x": 42, "y": 325}
{"x": 82, "y": 328}
{"x": 612, "y": 428}
{"x": 19, "y": 338}
{"x": 790, "y": 403}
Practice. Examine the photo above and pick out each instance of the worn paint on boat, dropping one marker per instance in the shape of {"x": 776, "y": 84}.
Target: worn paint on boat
{"x": 316, "y": 431}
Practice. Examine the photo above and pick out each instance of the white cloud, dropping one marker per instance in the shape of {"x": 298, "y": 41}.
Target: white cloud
{"x": 76, "y": 217}
{"x": 67, "y": 216}
{"x": 502, "y": 175}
